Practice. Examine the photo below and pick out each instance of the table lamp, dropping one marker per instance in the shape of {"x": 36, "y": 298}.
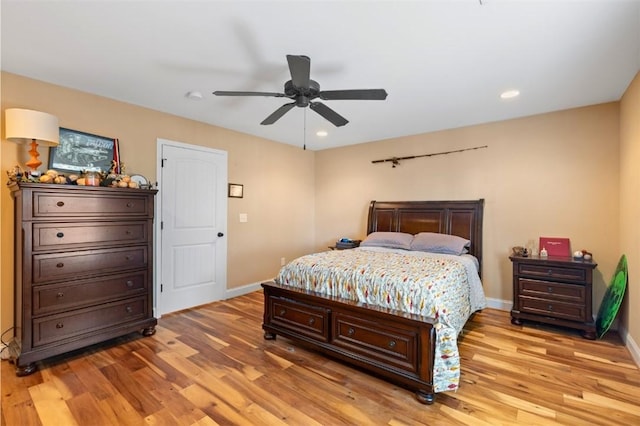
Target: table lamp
{"x": 28, "y": 126}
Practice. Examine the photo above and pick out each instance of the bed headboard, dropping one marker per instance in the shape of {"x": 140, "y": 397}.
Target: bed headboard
{"x": 461, "y": 218}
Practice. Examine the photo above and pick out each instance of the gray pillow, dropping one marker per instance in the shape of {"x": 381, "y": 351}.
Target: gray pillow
{"x": 440, "y": 243}
{"x": 399, "y": 240}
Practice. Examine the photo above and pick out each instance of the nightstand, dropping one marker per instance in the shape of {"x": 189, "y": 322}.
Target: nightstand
{"x": 553, "y": 290}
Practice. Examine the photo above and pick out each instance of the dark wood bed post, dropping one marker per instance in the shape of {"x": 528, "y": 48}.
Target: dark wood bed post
{"x": 392, "y": 344}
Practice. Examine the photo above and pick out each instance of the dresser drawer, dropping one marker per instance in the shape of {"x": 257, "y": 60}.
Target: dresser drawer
{"x": 75, "y": 323}
{"x": 311, "y": 321}
{"x": 58, "y": 204}
{"x": 553, "y": 308}
{"x": 71, "y": 265}
{"x": 48, "y": 236}
{"x": 552, "y": 272}
{"x": 78, "y": 294}
{"x": 572, "y": 293}
{"x": 377, "y": 342}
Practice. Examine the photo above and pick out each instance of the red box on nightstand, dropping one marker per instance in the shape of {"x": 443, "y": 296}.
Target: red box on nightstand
{"x": 555, "y": 246}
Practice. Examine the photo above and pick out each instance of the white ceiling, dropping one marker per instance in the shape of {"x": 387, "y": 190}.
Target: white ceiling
{"x": 444, "y": 63}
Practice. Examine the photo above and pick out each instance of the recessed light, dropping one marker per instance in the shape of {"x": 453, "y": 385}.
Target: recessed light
{"x": 509, "y": 94}
{"x": 194, "y": 95}
{"x": 322, "y": 133}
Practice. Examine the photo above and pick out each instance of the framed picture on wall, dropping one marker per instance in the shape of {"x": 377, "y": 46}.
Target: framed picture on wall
{"x": 236, "y": 190}
{"x": 78, "y": 151}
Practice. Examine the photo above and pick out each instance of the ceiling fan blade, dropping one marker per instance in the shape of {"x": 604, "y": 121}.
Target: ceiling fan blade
{"x": 227, "y": 93}
{"x": 275, "y": 116}
{"x": 328, "y": 113}
{"x": 300, "y": 68}
{"x": 360, "y": 94}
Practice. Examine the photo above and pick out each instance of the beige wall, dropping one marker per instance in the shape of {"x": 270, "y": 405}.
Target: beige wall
{"x": 278, "y": 179}
{"x": 547, "y": 175}
{"x": 630, "y": 203}
{"x": 554, "y": 174}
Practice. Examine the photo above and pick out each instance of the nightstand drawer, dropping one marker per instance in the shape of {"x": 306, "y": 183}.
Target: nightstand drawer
{"x": 552, "y": 308}
{"x": 552, "y": 272}
{"x": 571, "y": 293}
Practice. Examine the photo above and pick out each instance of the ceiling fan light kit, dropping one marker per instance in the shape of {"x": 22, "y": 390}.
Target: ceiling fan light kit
{"x": 302, "y": 90}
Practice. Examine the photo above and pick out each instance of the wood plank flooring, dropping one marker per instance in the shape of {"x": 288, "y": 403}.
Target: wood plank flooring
{"x": 210, "y": 365}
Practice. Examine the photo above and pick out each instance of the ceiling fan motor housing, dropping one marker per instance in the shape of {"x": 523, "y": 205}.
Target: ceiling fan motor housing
{"x": 303, "y": 96}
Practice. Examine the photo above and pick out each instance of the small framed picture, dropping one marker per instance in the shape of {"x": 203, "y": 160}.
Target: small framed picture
{"x": 235, "y": 190}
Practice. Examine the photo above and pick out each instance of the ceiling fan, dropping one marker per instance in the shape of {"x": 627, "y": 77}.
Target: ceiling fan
{"x": 302, "y": 90}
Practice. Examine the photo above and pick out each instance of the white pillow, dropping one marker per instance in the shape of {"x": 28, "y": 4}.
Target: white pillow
{"x": 440, "y": 243}
{"x": 399, "y": 240}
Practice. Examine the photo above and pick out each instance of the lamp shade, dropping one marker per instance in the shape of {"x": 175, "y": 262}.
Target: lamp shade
{"x": 25, "y": 125}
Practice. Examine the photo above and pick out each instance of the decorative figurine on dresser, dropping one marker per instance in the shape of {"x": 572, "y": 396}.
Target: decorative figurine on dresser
{"x": 553, "y": 290}
{"x": 84, "y": 267}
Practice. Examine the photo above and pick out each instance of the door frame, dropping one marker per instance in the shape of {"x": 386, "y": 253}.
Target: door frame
{"x": 157, "y": 252}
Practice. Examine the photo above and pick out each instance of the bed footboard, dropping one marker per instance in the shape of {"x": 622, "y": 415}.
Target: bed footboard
{"x": 397, "y": 346}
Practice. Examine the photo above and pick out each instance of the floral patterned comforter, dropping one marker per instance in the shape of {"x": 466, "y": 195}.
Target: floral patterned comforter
{"x": 444, "y": 287}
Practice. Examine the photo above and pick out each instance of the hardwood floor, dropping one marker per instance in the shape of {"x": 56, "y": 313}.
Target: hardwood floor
{"x": 211, "y": 365}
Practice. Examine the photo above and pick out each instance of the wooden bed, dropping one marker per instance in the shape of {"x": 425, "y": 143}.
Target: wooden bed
{"x": 397, "y": 346}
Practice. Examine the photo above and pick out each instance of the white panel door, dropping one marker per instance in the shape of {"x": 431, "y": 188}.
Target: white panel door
{"x": 193, "y": 215}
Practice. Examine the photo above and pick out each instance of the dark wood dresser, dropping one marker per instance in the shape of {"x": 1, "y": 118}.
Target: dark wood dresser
{"x": 84, "y": 269}
{"x": 554, "y": 291}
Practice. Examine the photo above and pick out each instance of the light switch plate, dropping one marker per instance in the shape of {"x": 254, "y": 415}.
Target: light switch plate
{"x": 243, "y": 218}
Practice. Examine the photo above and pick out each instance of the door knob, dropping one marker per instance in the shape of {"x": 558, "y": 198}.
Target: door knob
{"x": 220, "y": 234}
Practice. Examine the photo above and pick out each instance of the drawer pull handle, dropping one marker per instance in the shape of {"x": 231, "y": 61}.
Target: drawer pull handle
{"x": 129, "y": 204}
{"x": 128, "y": 232}
{"x": 129, "y": 309}
{"x": 550, "y": 289}
{"x": 59, "y": 325}
{"x": 60, "y": 203}
{"x": 312, "y": 321}
{"x": 283, "y": 312}
{"x": 60, "y": 294}
{"x": 128, "y": 257}
{"x": 550, "y": 308}
{"x": 392, "y": 344}
{"x": 351, "y": 331}
{"x": 60, "y": 265}
{"x": 549, "y": 272}
{"x": 129, "y": 283}
{"x": 60, "y": 234}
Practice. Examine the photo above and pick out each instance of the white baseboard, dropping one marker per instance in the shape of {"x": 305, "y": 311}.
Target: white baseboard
{"x": 503, "y": 305}
{"x": 631, "y": 344}
{"x": 245, "y": 289}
